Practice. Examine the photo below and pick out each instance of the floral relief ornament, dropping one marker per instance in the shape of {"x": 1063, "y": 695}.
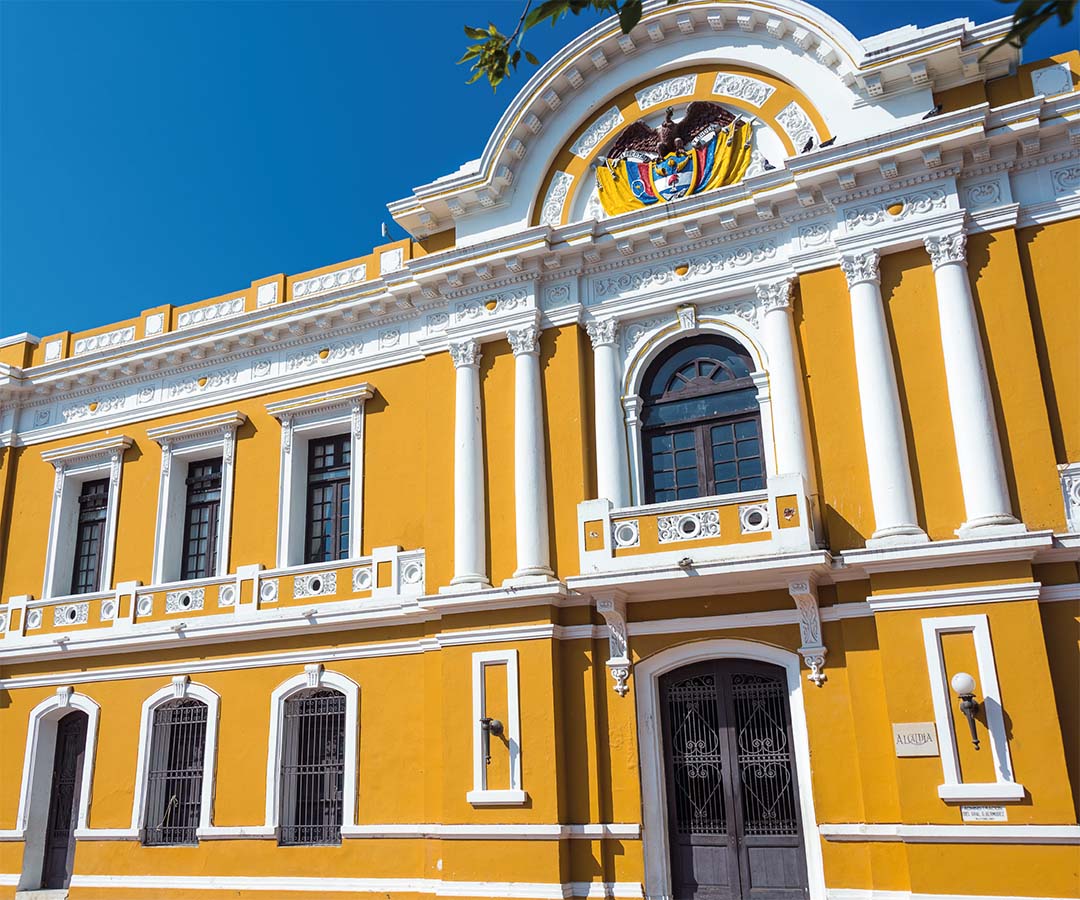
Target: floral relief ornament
{"x": 465, "y": 353}
{"x": 602, "y": 332}
{"x": 775, "y": 294}
{"x": 860, "y": 267}
{"x": 524, "y": 341}
{"x": 946, "y": 248}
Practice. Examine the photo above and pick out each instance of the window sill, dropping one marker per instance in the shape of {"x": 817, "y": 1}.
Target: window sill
{"x": 497, "y": 798}
{"x": 1002, "y": 790}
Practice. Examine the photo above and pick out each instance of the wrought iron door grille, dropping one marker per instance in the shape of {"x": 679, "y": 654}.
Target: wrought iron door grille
{"x": 175, "y": 774}
{"x": 764, "y": 755}
{"x": 696, "y": 756}
{"x": 313, "y": 768}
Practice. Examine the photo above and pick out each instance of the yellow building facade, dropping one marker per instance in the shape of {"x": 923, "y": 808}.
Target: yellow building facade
{"x": 705, "y": 528}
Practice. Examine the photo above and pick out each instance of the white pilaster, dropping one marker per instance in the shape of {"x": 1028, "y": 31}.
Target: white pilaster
{"x": 895, "y": 519}
{"x": 530, "y": 474}
{"x": 470, "y": 549}
{"x": 791, "y": 427}
{"x": 612, "y": 479}
{"x": 978, "y": 448}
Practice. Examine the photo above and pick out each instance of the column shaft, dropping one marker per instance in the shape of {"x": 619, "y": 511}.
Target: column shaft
{"x": 879, "y": 398}
{"x": 470, "y": 548}
{"x": 530, "y": 470}
{"x": 978, "y": 447}
{"x": 611, "y": 467}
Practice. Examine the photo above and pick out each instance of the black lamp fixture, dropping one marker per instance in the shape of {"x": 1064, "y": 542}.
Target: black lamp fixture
{"x": 964, "y": 686}
{"x": 489, "y": 727}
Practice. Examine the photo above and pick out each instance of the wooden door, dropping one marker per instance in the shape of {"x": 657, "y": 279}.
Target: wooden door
{"x": 734, "y": 825}
{"x": 64, "y": 800}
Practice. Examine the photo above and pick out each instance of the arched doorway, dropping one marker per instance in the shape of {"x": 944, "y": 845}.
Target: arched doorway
{"x": 734, "y": 824}
{"x": 64, "y": 796}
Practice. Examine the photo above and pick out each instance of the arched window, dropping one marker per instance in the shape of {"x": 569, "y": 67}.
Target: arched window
{"x": 701, "y": 425}
{"x": 312, "y": 767}
{"x": 174, "y": 777}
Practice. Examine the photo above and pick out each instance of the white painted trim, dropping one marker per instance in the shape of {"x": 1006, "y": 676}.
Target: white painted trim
{"x": 480, "y": 795}
{"x": 75, "y": 465}
{"x": 995, "y": 593}
{"x": 436, "y": 831}
{"x": 947, "y": 834}
{"x": 37, "y": 774}
{"x": 954, "y": 788}
{"x": 189, "y": 442}
{"x": 647, "y": 675}
{"x": 181, "y": 687}
{"x": 1053, "y": 593}
{"x": 281, "y": 693}
{"x": 872, "y": 894}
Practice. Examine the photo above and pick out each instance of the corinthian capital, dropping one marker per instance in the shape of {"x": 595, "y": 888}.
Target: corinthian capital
{"x": 465, "y": 353}
{"x": 860, "y": 267}
{"x": 602, "y": 331}
{"x": 524, "y": 340}
{"x": 946, "y": 248}
{"x": 775, "y": 294}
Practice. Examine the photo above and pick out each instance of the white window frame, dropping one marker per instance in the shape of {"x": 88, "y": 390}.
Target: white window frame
{"x": 480, "y": 795}
{"x": 325, "y": 414}
{"x": 37, "y": 776}
{"x": 181, "y": 445}
{"x": 954, "y": 788}
{"x": 75, "y": 466}
{"x": 313, "y": 676}
{"x": 181, "y": 688}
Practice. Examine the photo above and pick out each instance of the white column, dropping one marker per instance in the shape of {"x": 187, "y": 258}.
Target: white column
{"x": 611, "y": 468}
{"x": 895, "y": 519}
{"x": 470, "y": 549}
{"x": 791, "y": 429}
{"x": 978, "y": 449}
{"x": 530, "y": 471}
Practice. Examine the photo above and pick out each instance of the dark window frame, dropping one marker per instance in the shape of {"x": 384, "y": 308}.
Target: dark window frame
{"x": 176, "y": 767}
{"x": 724, "y": 380}
{"x": 311, "y": 774}
{"x": 90, "y": 528}
{"x": 202, "y": 511}
{"x": 328, "y": 507}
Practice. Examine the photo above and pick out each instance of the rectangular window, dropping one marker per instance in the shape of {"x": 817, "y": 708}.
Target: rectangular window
{"x": 328, "y": 507}
{"x": 90, "y": 536}
{"x": 313, "y": 768}
{"x": 201, "y": 519}
{"x": 174, "y": 779}
{"x": 712, "y": 458}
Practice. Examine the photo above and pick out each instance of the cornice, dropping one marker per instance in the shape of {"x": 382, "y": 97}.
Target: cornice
{"x": 196, "y": 428}
{"x": 75, "y": 453}
{"x": 322, "y": 401}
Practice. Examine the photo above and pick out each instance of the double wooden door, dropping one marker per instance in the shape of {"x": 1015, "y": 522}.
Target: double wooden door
{"x": 735, "y": 829}
{"x": 64, "y": 800}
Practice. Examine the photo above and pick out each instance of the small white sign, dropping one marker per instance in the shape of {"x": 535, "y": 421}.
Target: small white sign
{"x": 984, "y": 814}
{"x": 915, "y": 738}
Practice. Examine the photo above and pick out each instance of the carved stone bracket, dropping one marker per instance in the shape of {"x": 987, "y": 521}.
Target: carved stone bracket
{"x": 813, "y": 649}
{"x": 613, "y": 609}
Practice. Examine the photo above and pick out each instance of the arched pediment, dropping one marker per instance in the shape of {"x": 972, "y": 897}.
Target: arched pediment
{"x": 846, "y": 88}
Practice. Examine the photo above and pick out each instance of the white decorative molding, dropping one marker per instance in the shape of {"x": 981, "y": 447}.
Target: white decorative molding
{"x": 664, "y": 92}
{"x": 155, "y": 324}
{"x": 227, "y": 595}
{"x": 53, "y": 350}
{"x": 813, "y": 649}
{"x": 190, "y": 600}
{"x": 861, "y": 267}
{"x": 602, "y": 332}
{"x": 613, "y": 609}
{"x": 226, "y": 309}
{"x": 1050, "y": 80}
{"x": 315, "y": 584}
{"x": 342, "y": 278}
{"x": 775, "y": 294}
{"x": 686, "y": 316}
{"x": 551, "y": 213}
{"x": 465, "y": 353}
{"x": 266, "y": 294}
{"x": 625, "y": 534}
{"x": 742, "y": 87}
{"x": 411, "y": 575}
{"x": 93, "y": 407}
{"x": 596, "y": 132}
{"x": 268, "y": 591}
{"x": 711, "y": 263}
{"x": 982, "y": 194}
{"x": 116, "y": 338}
{"x": 71, "y": 614}
{"x": 361, "y": 579}
{"x": 1065, "y": 180}
{"x": 688, "y": 526}
{"x": 392, "y": 261}
{"x": 490, "y": 305}
{"x": 895, "y": 209}
{"x": 327, "y": 354}
{"x": 1070, "y": 492}
{"x": 797, "y": 125}
{"x": 525, "y": 340}
{"x": 946, "y": 248}
{"x": 754, "y": 518}
{"x": 144, "y": 605}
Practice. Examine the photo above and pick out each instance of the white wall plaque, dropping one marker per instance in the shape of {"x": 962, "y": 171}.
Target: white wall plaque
{"x": 984, "y": 814}
{"x": 915, "y": 738}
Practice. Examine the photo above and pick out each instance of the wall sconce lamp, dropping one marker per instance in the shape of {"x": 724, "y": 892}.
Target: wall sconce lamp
{"x": 489, "y": 727}
{"x": 964, "y": 686}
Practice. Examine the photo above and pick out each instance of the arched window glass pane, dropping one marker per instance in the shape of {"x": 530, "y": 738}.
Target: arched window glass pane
{"x": 175, "y": 774}
{"x": 313, "y": 767}
{"x": 701, "y": 425}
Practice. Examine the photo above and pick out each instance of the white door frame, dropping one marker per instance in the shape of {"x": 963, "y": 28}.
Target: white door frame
{"x": 654, "y": 808}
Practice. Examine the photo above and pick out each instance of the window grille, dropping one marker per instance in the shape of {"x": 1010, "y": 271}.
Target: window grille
{"x": 90, "y": 536}
{"x": 175, "y": 773}
{"x": 701, "y": 424}
{"x": 201, "y": 519}
{"x": 313, "y": 768}
{"x": 328, "y": 506}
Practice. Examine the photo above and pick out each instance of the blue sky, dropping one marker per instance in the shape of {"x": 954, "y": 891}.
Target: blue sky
{"x": 164, "y": 152}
